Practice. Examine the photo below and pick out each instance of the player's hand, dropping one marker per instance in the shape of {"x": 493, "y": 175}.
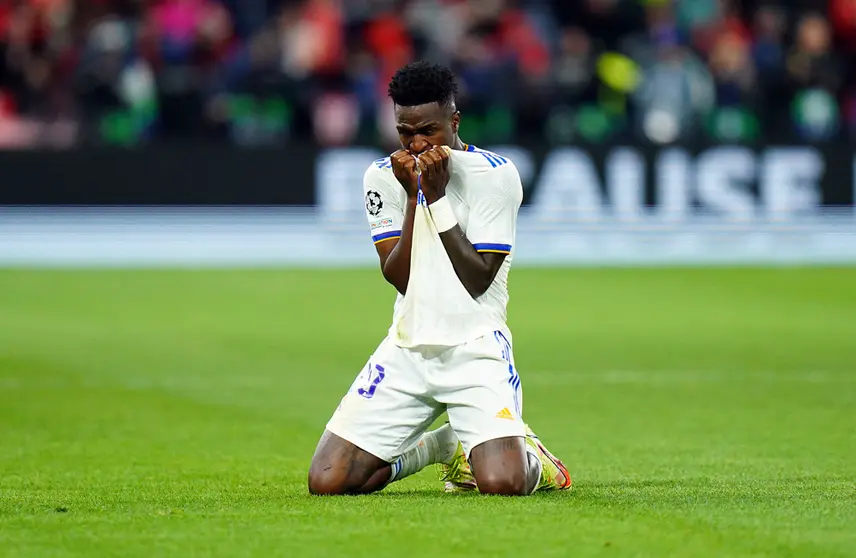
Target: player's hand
{"x": 435, "y": 172}
{"x": 404, "y": 169}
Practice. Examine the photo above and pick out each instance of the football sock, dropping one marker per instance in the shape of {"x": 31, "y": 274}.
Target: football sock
{"x": 437, "y": 446}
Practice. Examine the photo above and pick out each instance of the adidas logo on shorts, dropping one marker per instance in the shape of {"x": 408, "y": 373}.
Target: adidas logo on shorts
{"x": 505, "y": 414}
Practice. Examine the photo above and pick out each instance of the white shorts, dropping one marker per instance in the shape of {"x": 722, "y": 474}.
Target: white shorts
{"x": 401, "y": 392}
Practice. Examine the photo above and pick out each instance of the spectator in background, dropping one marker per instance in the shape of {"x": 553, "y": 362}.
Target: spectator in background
{"x": 733, "y": 71}
{"x": 439, "y": 26}
{"x": 33, "y": 104}
{"x": 106, "y": 68}
{"x": 735, "y": 80}
{"x": 721, "y": 17}
{"x": 312, "y": 38}
{"x": 768, "y": 45}
{"x": 811, "y": 62}
{"x": 575, "y": 86}
{"x": 26, "y": 57}
{"x": 814, "y": 75}
{"x": 842, "y": 14}
{"x": 676, "y": 89}
{"x": 574, "y": 68}
{"x": 388, "y": 40}
{"x": 610, "y": 21}
{"x": 252, "y": 92}
{"x": 267, "y": 71}
{"x": 314, "y": 48}
{"x": 248, "y": 16}
{"x": 843, "y": 19}
{"x": 519, "y": 40}
{"x": 190, "y": 38}
{"x": 530, "y": 59}
{"x": 694, "y": 17}
{"x": 768, "y": 56}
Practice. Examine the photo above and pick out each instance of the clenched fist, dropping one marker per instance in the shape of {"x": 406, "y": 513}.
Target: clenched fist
{"x": 434, "y": 167}
{"x": 405, "y": 171}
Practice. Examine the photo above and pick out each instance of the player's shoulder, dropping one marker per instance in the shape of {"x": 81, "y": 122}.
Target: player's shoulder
{"x": 379, "y": 174}
{"x": 475, "y": 159}
{"x": 486, "y": 172}
{"x": 381, "y": 168}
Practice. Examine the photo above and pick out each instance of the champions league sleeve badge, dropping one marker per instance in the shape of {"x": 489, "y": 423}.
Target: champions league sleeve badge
{"x": 374, "y": 203}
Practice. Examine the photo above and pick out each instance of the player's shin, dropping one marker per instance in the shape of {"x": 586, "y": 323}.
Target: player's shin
{"x": 437, "y": 446}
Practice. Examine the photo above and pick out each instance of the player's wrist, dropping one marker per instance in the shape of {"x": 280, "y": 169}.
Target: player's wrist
{"x": 442, "y": 214}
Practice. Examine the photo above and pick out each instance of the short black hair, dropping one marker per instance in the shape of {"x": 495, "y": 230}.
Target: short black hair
{"x": 420, "y": 83}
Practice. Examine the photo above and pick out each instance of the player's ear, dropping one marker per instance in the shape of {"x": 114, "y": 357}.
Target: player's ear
{"x": 456, "y": 121}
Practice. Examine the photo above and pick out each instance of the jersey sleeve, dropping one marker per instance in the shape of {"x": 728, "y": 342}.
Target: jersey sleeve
{"x": 494, "y": 208}
{"x": 384, "y": 210}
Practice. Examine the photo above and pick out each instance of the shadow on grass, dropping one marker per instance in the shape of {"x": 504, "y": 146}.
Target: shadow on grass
{"x": 645, "y": 492}
{"x": 433, "y": 494}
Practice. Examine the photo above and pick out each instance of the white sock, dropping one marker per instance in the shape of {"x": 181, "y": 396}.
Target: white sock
{"x": 437, "y": 446}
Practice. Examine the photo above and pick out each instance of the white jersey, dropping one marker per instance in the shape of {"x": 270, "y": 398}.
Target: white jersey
{"x": 485, "y": 193}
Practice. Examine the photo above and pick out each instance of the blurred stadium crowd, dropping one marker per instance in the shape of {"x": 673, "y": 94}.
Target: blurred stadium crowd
{"x": 258, "y": 72}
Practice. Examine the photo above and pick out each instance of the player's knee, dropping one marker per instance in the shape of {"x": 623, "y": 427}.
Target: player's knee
{"x": 323, "y": 483}
{"x": 503, "y": 483}
{"x": 330, "y": 480}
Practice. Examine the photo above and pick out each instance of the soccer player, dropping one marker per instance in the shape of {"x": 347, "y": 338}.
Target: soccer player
{"x": 378, "y": 434}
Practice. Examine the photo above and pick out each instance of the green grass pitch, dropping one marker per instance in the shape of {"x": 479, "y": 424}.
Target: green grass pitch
{"x": 174, "y": 413}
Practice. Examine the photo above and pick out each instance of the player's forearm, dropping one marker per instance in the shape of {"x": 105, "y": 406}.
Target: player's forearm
{"x": 471, "y": 268}
{"x": 396, "y": 268}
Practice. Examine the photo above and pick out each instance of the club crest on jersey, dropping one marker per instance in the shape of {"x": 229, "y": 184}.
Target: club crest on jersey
{"x": 374, "y": 204}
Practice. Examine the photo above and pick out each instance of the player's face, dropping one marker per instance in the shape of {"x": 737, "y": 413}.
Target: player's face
{"x": 424, "y": 126}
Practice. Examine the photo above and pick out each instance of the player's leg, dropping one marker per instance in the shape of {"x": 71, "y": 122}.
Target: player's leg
{"x": 481, "y": 394}
{"x": 502, "y": 467}
{"x": 485, "y": 410}
{"x": 457, "y": 473}
{"x": 377, "y": 435}
{"x": 340, "y": 467}
{"x": 499, "y": 460}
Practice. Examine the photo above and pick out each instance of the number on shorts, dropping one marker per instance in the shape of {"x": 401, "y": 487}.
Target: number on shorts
{"x": 376, "y": 374}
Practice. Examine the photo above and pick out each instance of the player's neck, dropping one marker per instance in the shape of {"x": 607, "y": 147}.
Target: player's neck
{"x": 458, "y": 145}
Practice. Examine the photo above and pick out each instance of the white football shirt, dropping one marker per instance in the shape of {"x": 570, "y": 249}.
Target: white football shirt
{"x": 485, "y": 193}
